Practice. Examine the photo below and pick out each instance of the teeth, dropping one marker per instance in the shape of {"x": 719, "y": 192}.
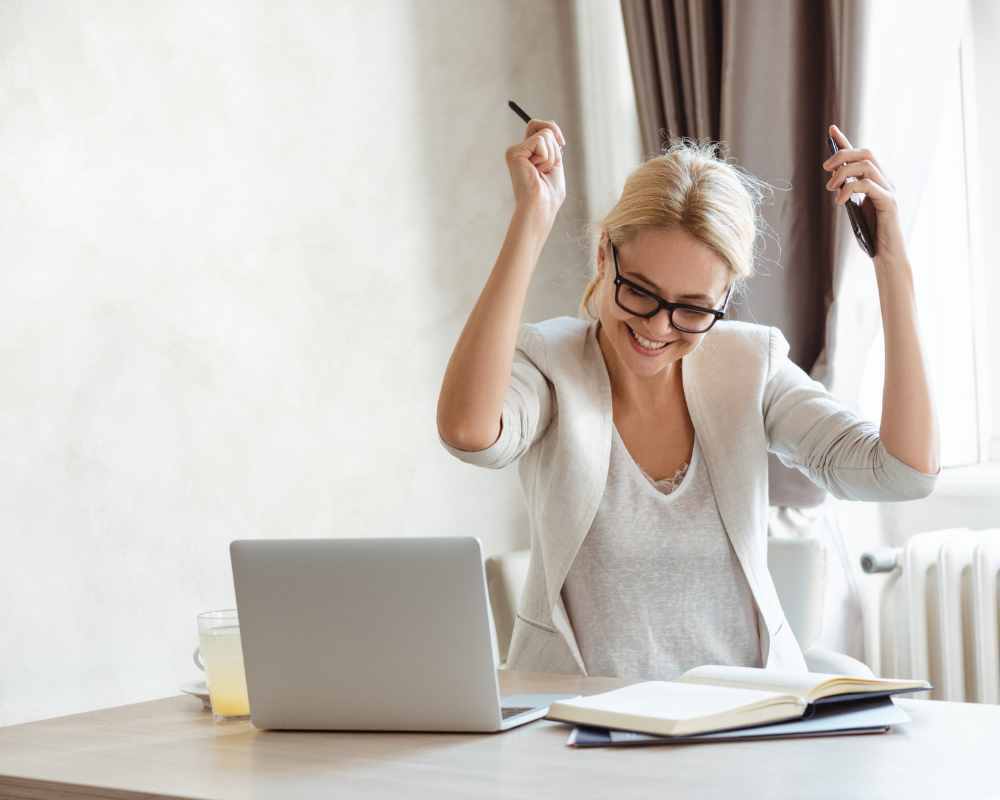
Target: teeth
{"x": 646, "y": 343}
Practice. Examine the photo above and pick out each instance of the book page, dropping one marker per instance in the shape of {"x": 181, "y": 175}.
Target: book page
{"x": 810, "y": 686}
{"x": 800, "y": 684}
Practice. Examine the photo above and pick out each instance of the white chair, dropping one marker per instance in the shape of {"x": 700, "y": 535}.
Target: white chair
{"x": 798, "y": 569}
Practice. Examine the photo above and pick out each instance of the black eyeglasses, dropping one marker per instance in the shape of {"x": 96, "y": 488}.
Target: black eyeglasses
{"x": 640, "y": 303}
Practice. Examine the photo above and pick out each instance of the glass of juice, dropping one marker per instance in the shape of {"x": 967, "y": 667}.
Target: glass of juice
{"x": 222, "y": 652}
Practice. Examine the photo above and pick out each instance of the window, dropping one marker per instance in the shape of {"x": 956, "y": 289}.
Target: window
{"x": 956, "y": 265}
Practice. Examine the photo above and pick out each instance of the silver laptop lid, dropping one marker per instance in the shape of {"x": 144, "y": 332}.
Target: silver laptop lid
{"x": 366, "y": 634}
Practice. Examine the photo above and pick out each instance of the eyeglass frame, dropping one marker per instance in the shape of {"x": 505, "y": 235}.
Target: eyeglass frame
{"x": 661, "y": 303}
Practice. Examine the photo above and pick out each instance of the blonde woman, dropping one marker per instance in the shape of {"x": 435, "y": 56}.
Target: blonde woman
{"x": 643, "y": 432}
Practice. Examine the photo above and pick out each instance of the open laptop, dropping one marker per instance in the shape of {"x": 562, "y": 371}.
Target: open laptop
{"x": 371, "y": 634}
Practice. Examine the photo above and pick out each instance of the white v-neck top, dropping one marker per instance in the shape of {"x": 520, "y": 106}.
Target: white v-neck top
{"x": 656, "y": 587}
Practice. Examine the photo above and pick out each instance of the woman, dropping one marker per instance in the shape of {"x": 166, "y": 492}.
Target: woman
{"x": 643, "y": 434}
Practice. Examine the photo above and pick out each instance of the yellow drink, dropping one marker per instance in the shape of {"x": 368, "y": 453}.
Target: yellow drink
{"x": 222, "y": 651}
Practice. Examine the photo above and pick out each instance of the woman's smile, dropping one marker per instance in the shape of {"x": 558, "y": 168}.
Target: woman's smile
{"x": 644, "y": 346}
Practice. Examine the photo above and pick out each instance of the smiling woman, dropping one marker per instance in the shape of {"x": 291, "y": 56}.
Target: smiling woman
{"x": 686, "y": 226}
{"x": 643, "y": 433}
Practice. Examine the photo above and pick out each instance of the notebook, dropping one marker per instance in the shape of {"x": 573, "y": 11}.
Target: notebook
{"x": 715, "y": 698}
{"x": 866, "y": 716}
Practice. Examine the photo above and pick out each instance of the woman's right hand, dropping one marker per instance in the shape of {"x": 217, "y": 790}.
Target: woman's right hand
{"x": 536, "y": 170}
{"x": 470, "y": 408}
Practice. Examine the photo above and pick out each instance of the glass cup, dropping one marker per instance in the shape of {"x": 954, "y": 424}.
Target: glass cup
{"x": 222, "y": 651}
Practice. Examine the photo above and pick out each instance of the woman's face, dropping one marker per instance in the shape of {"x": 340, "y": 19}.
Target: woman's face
{"x": 676, "y": 267}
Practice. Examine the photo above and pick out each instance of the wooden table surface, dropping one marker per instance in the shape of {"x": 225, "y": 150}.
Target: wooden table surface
{"x": 171, "y": 748}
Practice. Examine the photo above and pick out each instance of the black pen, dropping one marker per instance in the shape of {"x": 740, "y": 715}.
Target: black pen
{"x": 523, "y": 114}
{"x": 519, "y": 111}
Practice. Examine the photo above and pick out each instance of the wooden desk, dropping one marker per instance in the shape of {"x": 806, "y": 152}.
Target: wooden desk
{"x": 171, "y": 748}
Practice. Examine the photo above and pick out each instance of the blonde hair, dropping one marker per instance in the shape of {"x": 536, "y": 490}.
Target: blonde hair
{"x": 688, "y": 187}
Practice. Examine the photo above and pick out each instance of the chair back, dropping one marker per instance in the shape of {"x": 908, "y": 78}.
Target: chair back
{"x": 798, "y": 569}
{"x": 505, "y": 578}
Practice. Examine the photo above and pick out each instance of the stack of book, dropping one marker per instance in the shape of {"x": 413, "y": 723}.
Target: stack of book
{"x": 713, "y": 704}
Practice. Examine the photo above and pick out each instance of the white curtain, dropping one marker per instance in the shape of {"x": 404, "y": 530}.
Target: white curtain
{"x": 910, "y": 51}
{"x": 612, "y": 147}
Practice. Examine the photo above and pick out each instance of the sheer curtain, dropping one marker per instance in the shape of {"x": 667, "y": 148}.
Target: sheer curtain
{"x": 767, "y": 77}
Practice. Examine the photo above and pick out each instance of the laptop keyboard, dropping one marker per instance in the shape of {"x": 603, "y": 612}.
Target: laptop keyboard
{"x": 512, "y": 711}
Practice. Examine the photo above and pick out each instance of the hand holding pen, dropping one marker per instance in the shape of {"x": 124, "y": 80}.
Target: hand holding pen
{"x": 474, "y": 390}
{"x": 535, "y": 166}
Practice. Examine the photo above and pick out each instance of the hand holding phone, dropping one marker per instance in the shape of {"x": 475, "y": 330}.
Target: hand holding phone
{"x": 862, "y": 232}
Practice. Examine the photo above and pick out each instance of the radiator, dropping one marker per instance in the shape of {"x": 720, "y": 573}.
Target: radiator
{"x": 938, "y": 615}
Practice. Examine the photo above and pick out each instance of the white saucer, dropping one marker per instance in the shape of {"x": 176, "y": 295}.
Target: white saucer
{"x": 200, "y": 690}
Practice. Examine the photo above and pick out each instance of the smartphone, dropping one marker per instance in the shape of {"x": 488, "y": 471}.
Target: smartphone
{"x": 858, "y": 222}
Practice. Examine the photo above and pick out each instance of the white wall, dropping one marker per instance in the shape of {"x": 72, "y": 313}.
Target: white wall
{"x": 237, "y": 242}
{"x": 984, "y": 19}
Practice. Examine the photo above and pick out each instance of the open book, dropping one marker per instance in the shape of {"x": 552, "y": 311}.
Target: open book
{"x": 718, "y": 698}
{"x": 813, "y": 687}
{"x": 827, "y": 719}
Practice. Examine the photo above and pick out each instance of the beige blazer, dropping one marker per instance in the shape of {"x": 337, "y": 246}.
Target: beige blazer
{"x": 745, "y": 398}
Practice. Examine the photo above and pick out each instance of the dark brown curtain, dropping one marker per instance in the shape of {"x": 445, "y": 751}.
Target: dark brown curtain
{"x": 676, "y": 48}
{"x": 759, "y": 75}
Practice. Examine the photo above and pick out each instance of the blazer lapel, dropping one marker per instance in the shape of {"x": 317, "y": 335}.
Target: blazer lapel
{"x": 588, "y": 429}
{"x": 724, "y": 399}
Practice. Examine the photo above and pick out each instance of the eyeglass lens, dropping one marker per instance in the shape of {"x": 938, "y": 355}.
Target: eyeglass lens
{"x": 684, "y": 319}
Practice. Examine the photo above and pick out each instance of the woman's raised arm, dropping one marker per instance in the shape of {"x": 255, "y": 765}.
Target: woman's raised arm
{"x": 909, "y": 429}
{"x": 475, "y": 383}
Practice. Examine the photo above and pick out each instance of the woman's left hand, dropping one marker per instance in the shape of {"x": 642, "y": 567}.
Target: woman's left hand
{"x": 879, "y": 205}
{"x": 909, "y": 429}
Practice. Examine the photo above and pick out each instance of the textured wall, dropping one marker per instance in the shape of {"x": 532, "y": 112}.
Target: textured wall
{"x": 237, "y": 242}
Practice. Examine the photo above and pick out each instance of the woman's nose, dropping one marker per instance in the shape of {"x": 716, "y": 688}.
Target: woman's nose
{"x": 659, "y": 324}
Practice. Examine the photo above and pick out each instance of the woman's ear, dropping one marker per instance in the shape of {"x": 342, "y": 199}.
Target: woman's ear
{"x": 602, "y": 253}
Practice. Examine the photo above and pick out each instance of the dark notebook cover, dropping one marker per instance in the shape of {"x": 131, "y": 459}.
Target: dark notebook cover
{"x": 867, "y": 715}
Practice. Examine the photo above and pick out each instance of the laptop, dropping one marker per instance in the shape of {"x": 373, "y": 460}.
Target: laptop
{"x": 371, "y": 634}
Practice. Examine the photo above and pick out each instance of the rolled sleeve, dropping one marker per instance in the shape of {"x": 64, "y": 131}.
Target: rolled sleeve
{"x": 505, "y": 449}
{"x": 527, "y": 409}
{"x": 905, "y": 482}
